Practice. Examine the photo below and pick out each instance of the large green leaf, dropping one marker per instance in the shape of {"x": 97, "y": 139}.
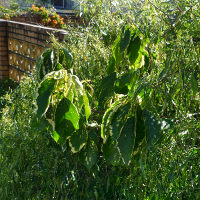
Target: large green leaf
{"x": 78, "y": 92}
{"x": 133, "y": 49}
{"x": 153, "y": 128}
{"x": 194, "y": 84}
{"x": 90, "y": 154}
{"x": 44, "y": 94}
{"x": 78, "y": 140}
{"x": 111, "y": 152}
{"x": 140, "y": 128}
{"x": 118, "y": 120}
{"x": 65, "y": 129}
{"x": 68, "y": 58}
{"x": 125, "y": 40}
{"x": 118, "y": 56}
{"x": 107, "y": 120}
{"x": 124, "y": 83}
{"x": 67, "y": 111}
{"x": 106, "y": 89}
{"x": 111, "y": 65}
{"x": 126, "y": 140}
{"x": 86, "y": 105}
{"x": 45, "y": 62}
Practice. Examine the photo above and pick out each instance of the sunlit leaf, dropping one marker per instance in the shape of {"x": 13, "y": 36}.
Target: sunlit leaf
{"x": 133, "y": 49}
{"x": 44, "y": 94}
{"x": 67, "y": 111}
{"x": 68, "y": 58}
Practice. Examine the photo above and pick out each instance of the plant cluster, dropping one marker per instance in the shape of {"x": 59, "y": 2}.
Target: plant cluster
{"x": 5, "y": 87}
{"x": 7, "y": 13}
{"x": 47, "y": 18}
{"x": 112, "y": 113}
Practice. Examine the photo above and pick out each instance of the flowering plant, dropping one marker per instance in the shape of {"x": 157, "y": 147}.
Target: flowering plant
{"x": 48, "y": 18}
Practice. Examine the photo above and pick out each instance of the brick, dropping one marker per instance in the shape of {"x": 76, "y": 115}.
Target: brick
{"x": 3, "y": 28}
{"x": 3, "y": 33}
{"x": 3, "y": 53}
{"x": 3, "y": 62}
{"x": 3, "y": 48}
{"x": 4, "y": 68}
{"x": 31, "y": 34}
{"x": 3, "y": 44}
{"x": 3, "y": 39}
{"x": 4, "y": 73}
{"x": 4, "y": 57}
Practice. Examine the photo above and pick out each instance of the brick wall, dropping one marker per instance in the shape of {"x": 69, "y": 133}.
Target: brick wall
{"x": 20, "y": 46}
{"x": 4, "y": 73}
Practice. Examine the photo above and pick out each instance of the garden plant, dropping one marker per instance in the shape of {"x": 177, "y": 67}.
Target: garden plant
{"x": 112, "y": 112}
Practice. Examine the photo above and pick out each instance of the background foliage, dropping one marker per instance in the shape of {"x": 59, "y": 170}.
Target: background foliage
{"x": 138, "y": 64}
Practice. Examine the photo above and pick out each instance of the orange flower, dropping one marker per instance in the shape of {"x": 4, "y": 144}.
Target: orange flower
{"x": 53, "y": 23}
{"x": 34, "y": 8}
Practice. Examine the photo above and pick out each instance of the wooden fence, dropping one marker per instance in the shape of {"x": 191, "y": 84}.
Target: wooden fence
{"x": 20, "y": 45}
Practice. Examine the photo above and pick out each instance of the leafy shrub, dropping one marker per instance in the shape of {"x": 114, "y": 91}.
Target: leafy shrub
{"x": 5, "y": 86}
{"x": 113, "y": 114}
{"x": 7, "y": 13}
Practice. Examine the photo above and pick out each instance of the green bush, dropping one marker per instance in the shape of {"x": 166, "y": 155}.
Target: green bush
{"x": 5, "y": 87}
{"x": 113, "y": 113}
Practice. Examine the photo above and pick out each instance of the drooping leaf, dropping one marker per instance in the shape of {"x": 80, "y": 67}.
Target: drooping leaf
{"x": 118, "y": 120}
{"x": 125, "y": 40}
{"x": 55, "y": 136}
{"x": 86, "y": 105}
{"x": 133, "y": 49}
{"x": 125, "y": 82}
{"x": 140, "y": 128}
{"x": 44, "y": 94}
{"x": 65, "y": 129}
{"x": 44, "y": 63}
{"x": 111, "y": 152}
{"x": 126, "y": 141}
{"x": 90, "y": 154}
{"x": 92, "y": 134}
{"x": 107, "y": 119}
{"x": 194, "y": 83}
{"x": 78, "y": 92}
{"x": 111, "y": 65}
{"x": 78, "y": 140}
{"x": 106, "y": 89}
{"x": 67, "y": 111}
{"x": 118, "y": 56}
{"x": 68, "y": 58}
{"x": 152, "y": 127}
